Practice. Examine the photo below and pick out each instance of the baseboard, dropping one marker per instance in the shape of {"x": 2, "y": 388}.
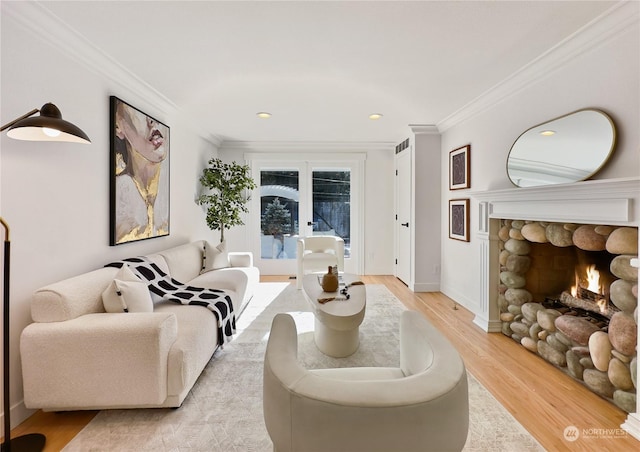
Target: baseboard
{"x": 426, "y": 287}
{"x": 632, "y": 425}
{"x": 490, "y": 326}
{"x": 19, "y": 413}
{"x": 463, "y": 301}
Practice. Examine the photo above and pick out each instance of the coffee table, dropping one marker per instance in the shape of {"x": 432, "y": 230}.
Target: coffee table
{"x": 337, "y": 322}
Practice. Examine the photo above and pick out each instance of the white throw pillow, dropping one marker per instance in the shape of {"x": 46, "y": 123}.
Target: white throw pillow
{"x": 127, "y": 293}
{"x": 214, "y": 257}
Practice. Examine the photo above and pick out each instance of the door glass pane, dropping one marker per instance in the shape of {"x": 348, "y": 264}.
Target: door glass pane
{"x": 279, "y": 197}
{"x": 332, "y": 205}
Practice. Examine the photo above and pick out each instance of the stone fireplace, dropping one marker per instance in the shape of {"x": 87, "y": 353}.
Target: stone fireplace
{"x": 540, "y": 249}
{"x": 568, "y": 293}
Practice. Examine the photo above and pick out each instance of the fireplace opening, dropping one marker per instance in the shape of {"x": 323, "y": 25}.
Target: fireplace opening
{"x": 571, "y": 277}
{"x": 568, "y": 293}
{"x": 553, "y": 270}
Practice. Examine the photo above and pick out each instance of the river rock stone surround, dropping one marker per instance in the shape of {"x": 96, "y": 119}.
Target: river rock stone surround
{"x": 603, "y": 357}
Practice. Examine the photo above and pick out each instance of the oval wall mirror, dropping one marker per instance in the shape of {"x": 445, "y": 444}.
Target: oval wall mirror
{"x": 567, "y": 149}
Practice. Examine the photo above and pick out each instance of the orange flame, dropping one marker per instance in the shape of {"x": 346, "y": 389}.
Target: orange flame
{"x": 593, "y": 278}
{"x": 574, "y": 288}
{"x": 587, "y": 277}
{"x": 602, "y": 304}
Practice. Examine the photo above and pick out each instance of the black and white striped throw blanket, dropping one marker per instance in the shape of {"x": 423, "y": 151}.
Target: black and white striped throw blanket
{"x": 161, "y": 284}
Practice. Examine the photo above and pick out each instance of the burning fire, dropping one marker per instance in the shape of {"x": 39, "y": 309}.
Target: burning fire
{"x": 592, "y": 281}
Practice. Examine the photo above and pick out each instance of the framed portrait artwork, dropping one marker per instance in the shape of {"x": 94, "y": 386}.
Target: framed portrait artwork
{"x": 139, "y": 175}
{"x": 459, "y": 219}
{"x": 459, "y": 168}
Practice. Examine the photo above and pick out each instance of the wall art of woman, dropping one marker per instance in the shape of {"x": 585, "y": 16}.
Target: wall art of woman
{"x": 140, "y": 179}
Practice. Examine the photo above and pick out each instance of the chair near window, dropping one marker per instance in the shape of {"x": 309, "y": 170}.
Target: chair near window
{"x": 316, "y": 253}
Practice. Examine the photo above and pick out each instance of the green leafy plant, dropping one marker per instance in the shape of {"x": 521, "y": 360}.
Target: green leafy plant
{"x": 226, "y": 199}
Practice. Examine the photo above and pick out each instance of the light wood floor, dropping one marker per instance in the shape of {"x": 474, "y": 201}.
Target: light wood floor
{"x": 543, "y": 399}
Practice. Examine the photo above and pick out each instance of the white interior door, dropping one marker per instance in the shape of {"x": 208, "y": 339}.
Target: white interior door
{"x": 403, "y": 220}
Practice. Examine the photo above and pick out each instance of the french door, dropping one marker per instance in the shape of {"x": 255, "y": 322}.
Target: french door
{"x": 298, "y": 198}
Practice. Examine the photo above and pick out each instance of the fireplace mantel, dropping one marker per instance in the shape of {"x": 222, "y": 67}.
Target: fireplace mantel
{"x": 613, "y": 202}
{"x": 608, "y": 201}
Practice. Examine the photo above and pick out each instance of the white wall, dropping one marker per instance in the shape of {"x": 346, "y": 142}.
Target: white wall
{"x": 55, "y": 196}
{"x": 379, "y": 219}
{"x": 427, "y": 228}
{"x": 605, "y": 77}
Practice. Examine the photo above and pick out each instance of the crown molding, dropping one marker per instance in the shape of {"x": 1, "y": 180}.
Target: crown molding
{"x": 37, "y": 19}
{"x": 605, "y": 27}
{"x": 306, "y": 146}
{"x": 424, "y": 128}
{"x": 216, "y": 140}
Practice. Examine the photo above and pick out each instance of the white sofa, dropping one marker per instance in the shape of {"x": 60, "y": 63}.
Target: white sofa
{"x": 76, "y": 356}
{"x": 422, "y": 405}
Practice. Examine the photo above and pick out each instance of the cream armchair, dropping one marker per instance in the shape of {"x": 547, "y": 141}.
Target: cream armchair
{"x": 422, "y": 405}
{"x": 316, "y": 253}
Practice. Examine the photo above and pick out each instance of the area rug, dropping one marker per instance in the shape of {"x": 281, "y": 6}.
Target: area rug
{"x": 223, "y": 412}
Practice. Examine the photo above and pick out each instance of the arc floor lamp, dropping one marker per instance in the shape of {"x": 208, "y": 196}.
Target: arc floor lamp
{"x": 48, "y": 126}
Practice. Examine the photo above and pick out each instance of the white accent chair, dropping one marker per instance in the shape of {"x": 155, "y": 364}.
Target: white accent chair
{"x": 316, "y": 253}
{"x": 423, "y": 405}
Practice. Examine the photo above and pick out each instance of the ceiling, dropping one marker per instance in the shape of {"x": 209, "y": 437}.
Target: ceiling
{"x": 322, "y": 67}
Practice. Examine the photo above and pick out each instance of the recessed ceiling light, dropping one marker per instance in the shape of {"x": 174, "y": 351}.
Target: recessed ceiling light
{"x": 547, "y": 133}
{"x": 263, "y": 115}
{"x": 375, "y": 116}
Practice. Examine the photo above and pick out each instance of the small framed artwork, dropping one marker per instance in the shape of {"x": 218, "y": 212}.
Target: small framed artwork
{"x": 459, "y": 168}
{"x": 459, "y": 219}
{"x": 138, "y": 175}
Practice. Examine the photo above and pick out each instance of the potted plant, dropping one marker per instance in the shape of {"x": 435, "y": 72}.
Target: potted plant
{"x": 226, "y": 198}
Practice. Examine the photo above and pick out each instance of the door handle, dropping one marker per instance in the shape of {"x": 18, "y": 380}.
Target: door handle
{"x": 405, "y": 224}
{"x": 309, "y": 223}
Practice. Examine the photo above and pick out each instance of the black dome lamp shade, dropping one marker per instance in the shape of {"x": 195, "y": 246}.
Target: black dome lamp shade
{"x": 48, "y": 126}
